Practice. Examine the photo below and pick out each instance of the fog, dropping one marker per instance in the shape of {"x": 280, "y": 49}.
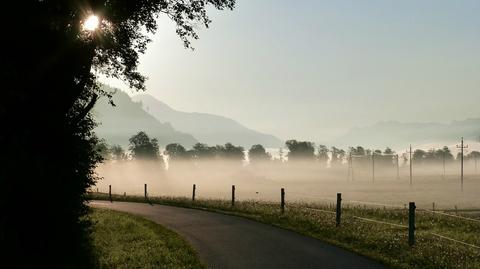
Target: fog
{"x": 304, "y": 181}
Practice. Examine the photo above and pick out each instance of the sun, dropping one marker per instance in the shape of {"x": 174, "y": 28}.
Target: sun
{"x": 91, "y": 23}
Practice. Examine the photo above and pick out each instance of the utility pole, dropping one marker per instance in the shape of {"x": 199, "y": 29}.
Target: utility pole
{"x": 373, "y": 166}
{"x": 444, "y": 164}
{"x": 461, "y": 147}
{"x": 351, "y": 166}
{"x": 398, "y": 168}
{"x": 411, "y": 161}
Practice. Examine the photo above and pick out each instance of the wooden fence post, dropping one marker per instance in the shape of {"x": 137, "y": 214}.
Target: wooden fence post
{"x": 433, "y": 206}
{"x": 110, "y": 193}
{"x": 339, "y": 208}
{"x": 282, "y": 199}
{"x": 411, "y": 223}
{"x": 233, "y": 195}
{"x": 145, "y": 192}
{"x": 193, "y": 193}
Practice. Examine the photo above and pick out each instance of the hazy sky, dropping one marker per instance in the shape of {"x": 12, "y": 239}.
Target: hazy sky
{"x": 313, "y": 69}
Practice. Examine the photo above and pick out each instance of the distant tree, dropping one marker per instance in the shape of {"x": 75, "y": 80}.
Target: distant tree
{"x": 419, "y": 156}
{"x": 231, "y": 152}
{"x": 176, "y": 152}
{"x": 142, "y": 147}
{"x": 388, "y": 151}
{"x": 258, "y": 153}
{"x": 337, "y": 156}
{"x": 358, "y": 151}
{"x": 300, "y": 150}
{"x": 203, "y": 151}
{"x": 445, "y": 153}
{"x": 118, "y": 153}
{"x": 322, "y": 155}
{"x": 102, "y": 149}
{"x": 473, "y": 155}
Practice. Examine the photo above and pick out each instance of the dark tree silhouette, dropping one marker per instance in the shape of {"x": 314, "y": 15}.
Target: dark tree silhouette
{"x": 177, "y": 152}
{"x": 142, "y": 147}
{"x": 258, "y": 153}
{"x": 203, "y": 151}
{"x": 118, "y": 153}
{"x": 48, "y": 90}
{"x": 322, "y": 155}
{"x": 230, "y": 152}
{"x": 300, "y": 150}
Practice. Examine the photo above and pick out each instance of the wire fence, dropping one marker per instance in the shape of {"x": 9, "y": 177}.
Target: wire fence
{"x": 332, "y": 204}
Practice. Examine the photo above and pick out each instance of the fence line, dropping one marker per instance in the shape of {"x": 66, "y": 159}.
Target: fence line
{"x": 321, "y": 210}
{"x": 373, "y": 203}
{"x": 450, "y": 215}
{"x": 381, "y": 222}
{"x": 456, "y": 241}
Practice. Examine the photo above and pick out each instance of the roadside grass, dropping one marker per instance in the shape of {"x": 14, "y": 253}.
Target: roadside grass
{"x": 385, "y": 243}
{"x": 123, "y": 240}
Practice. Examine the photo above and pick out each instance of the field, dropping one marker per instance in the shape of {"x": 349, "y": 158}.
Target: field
{"x": 305, "y": 182}
{"x": 125, "y": 241}
{"x": 378, "y": 233}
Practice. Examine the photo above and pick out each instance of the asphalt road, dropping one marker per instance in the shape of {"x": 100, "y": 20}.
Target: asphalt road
{"x": 224, "y": 241}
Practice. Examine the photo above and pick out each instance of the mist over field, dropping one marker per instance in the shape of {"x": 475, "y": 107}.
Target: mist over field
{"x": 304, "y": 181}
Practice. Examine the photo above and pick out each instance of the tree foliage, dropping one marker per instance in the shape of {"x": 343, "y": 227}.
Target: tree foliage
{"x": 176, "y": 151}
{"x": 300, "y": 150}
{"x": 48, "y": 60}
{"x": 258, "y": 153}
{"x": 142, "y": 147}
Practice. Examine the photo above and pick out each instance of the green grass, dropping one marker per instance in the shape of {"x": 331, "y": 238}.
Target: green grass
{"x": 384, "y": 243}
{"x": 122, "y": 240}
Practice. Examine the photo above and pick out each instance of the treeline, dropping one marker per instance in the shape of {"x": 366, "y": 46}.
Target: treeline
{"x": 141, "y": 146}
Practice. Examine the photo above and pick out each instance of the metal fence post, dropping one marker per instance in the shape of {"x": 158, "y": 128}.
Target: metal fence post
{"x": 145, "y": 192}
{"x": 193, "y": 193}
{"x": 411, "y": 223}
{"x": 233, "y": 195}
{"x": 282, "y": 199}
{"x": 339, "y": 209}
{"x": 110, "y": 193}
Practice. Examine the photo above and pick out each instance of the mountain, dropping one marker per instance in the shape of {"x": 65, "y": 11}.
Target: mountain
{"x": 207, "y": 128}
{"x": 399, "y": 135}
{"x": 119, "y": 123}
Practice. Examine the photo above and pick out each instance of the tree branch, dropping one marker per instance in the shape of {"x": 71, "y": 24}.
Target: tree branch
{"x": 85, "y": 110}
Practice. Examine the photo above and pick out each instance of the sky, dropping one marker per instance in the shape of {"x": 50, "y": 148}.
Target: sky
{"x": 313, "y": 69}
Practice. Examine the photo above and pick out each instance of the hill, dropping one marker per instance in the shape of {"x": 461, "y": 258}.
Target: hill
{"x": 119, "y": 123}
{"x": 207, "y": 128}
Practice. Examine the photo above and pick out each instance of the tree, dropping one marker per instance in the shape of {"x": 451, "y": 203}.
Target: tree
{"x": 231, "y": 152}
{"x": 322, "y": 155}
{"x": 258, "y": 153}
{"x": 142, "y": 147}
{"x": 176, "y": 152}
{"x": 102, "y": 149}
{"x": 203, "y": 151}
{"x": 300, "y": 150}
{"x": 118, "y": 153}
{"x": 48, "y": 89}
{"x": 418, "y": 156}
{"x": 473, "y": 155}
{"x": 337, "y": 156}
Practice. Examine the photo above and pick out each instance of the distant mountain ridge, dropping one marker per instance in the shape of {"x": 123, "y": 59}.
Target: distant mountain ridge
{"x": 397, "y": 134}
{"x": 117, "y": 124}
{"x": 207, "y": 128}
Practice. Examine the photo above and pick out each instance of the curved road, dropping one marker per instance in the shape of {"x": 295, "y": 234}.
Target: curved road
{"x": 224, "y": 241}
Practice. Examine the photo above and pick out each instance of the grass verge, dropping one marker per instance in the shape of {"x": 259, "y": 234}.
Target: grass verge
{"x": 385, "y": 243}
{"x": 123, "y": 240}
